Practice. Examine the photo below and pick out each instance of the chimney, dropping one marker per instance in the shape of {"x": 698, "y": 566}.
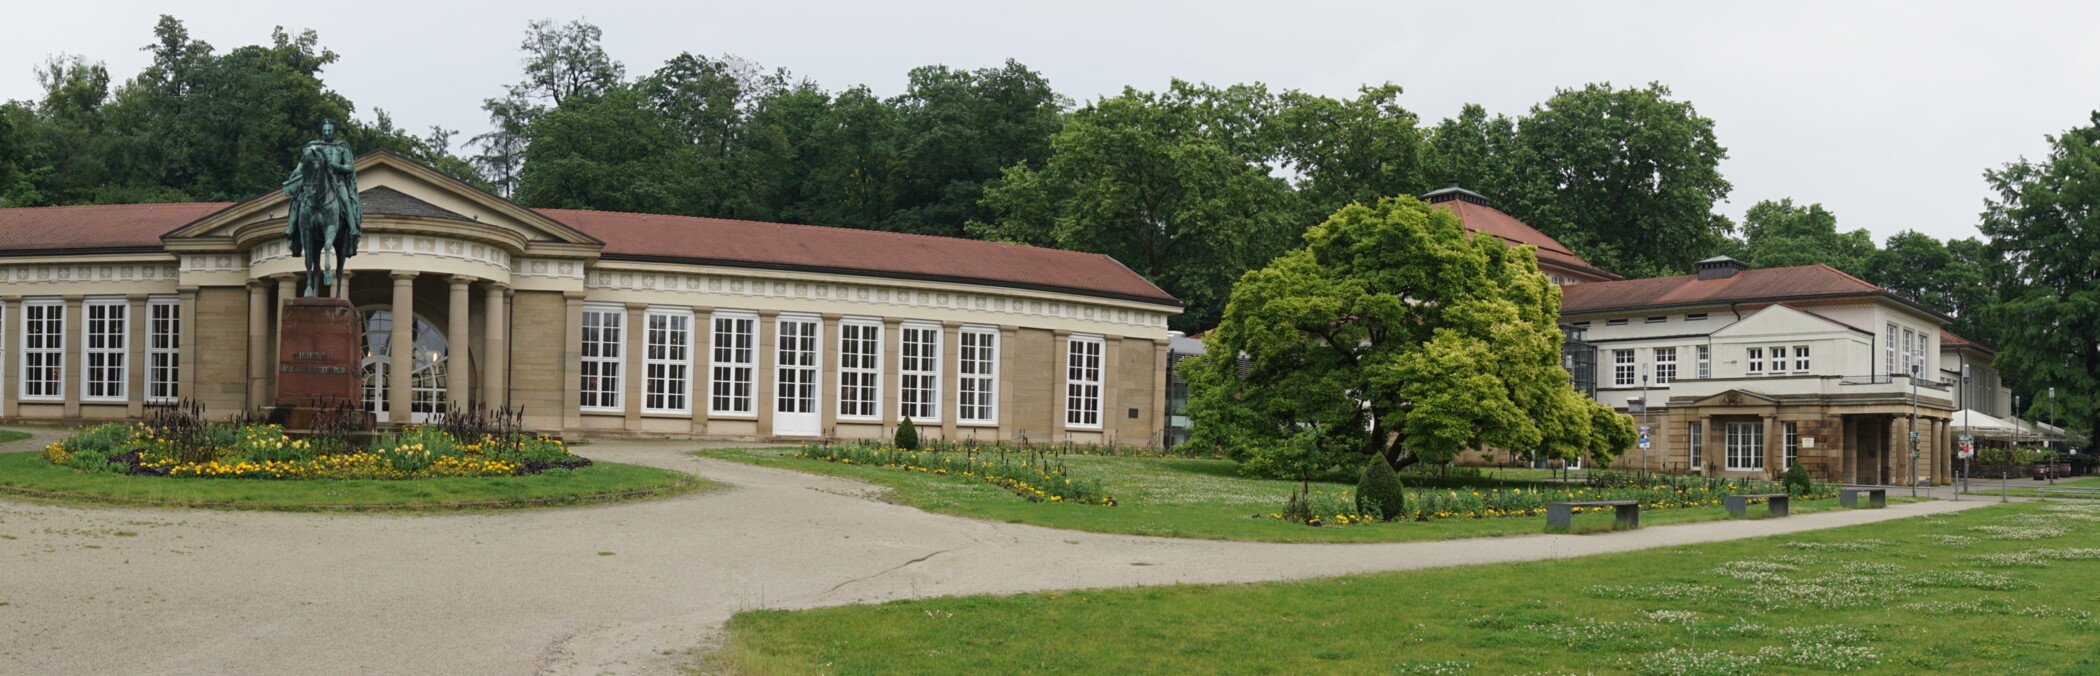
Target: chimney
{"x": 1720, "y": 267}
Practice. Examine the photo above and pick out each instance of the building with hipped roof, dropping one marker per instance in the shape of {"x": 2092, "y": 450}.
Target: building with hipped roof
{"x": 591, "y": 322}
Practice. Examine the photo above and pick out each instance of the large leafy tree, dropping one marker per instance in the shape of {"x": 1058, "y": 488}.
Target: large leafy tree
{"x": 561, "y": 61}
{"x": 1393, "y": 332}
{"x": 1477, "y": 152}
{"x": 1628, "y": 177}
{"x": 2045, "y": 221}
{"x": 611, "y": 152}
{"x": 1954, "y": 277}
{"x": 1348, "y": 151}
{"x": 1783, "y": 234}
{"x": 958, "y": 130}
{"x": 1161, "y": 183}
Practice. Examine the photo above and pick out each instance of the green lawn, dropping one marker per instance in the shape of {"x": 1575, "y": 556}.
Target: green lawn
{"x": 12, "y": 435}
{"x": 1949, "y": 594}
{"x": 26, "y": 474}
{"x": 1186, "y": 498}
{"x": 1989, "y": 488}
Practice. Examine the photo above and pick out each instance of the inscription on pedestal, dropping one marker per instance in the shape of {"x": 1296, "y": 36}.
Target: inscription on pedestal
{"x": 317, "y": 365}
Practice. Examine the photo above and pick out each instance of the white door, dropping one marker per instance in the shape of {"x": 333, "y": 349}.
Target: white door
{"x": 795, "y": 368}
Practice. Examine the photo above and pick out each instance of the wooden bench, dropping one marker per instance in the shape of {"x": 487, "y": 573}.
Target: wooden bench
{"x": 1560, "y": 516}
{"x": 1739, "y": 505}
{"x": 1849, "y": 497}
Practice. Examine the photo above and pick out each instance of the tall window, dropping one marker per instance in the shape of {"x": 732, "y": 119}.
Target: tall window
{"x": 1790, "y": 433}
{"x": 1755, "y": 363}
{"x": 731, "y": 363}
{"x": 1083, "y": 382}
{"x": 977, "y": 376}
{"x": 43, "y": 349}
{"x": 1917, "y": 355}
{"x": 107, "y": 333}
{"x": 1622, "y": 368}
{"x": 919, "y": 372}
{"x": 1888, "y": 350}
{"x": 1665, "y": 365}
{"x": 1801, "y": 359}
{"x": 1697, "y": 433}
{"x": 163, "y": 350}
{"x": 602, "y": 336}
{"x": 1910, "y": 346}
{"x": 860, "y": 369}
{"x": 1746, "y": 446}
{"x": 1705, "y": 356}
{"x": 667, "y": 364}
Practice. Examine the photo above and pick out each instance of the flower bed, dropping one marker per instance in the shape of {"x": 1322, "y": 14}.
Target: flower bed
{"x": 1653, "y": 491}
{"x": 1029, "y": 475}
{"x": 225, "y": 450}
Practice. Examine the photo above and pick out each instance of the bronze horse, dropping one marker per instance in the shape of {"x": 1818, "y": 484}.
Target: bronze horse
{"x": 326, "y": 215}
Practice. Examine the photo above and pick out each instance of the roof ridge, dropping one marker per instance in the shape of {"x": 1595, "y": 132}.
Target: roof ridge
{"x": 130, "y": 204}
{"x": 943, "y": 238}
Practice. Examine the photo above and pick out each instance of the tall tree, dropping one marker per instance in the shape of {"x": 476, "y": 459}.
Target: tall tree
{"x": 1349, "y": 151}
{"x": 2045, "y": 221}
{"x": 959, "y": 130}
{"x": 560, "y": 62}
{"x": 1153, "y": 180}
{"x": 1393, "y": 332}
{"x": 1954, "y": 277}
{"x": 1628, "y": 177}
{"x": 1782, "y": 234}
{"x": 1477, "y": 152}
{"x": 611, "y": 151}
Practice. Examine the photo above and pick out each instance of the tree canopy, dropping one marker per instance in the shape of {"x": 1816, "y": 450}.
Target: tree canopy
{"x": 1393, "y": 332}
{"x": 2045, "y": 222}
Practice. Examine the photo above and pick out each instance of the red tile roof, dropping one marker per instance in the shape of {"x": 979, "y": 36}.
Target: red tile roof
{"x": 1772, "y": 284}
{"x": 1948, "y": 339}
{"x": 1489, "y": 220}
{"x": 684, "y": 238}
{"x": 847, "y": 250}
{"x": 105, "y": 226}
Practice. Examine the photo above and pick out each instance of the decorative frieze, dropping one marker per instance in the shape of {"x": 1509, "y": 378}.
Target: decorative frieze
{"x": 409, "y": 245}
{"x": 616, "y": 280}
{"x": 90, "y": 272}
{"x": 549, "y": 268}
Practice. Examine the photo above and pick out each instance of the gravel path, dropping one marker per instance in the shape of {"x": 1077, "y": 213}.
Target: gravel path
{"x": 623, "y": 588}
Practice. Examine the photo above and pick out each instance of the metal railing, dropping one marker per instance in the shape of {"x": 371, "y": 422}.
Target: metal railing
{"x": 1922, "y": 384}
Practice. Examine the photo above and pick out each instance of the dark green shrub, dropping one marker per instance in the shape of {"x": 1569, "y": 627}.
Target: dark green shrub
{"x": 1379, "y": 491}
{"x": 907, "y": 436}
{"x": 1797, "y": 481}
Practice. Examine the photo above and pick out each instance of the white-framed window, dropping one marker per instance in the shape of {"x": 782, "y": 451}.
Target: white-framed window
{"x": 43, "y": 349}
{"x": 1665, "y": 365}
{"x": 1622, "y": 368}
{"x": 977, "y": 375}
{"x": 1910, "y": 346}
{"x": 105, "y": 345}
{"x": 1695, "y": 432}
{"x": 1755, "y": 361}
{"x": 1083, "y": 382}
{"x": 1917, "y": 355}
{"x": 919, "y": 372}
{"x": 1705, "y": 356}
{"x": 1777, "y": 364}
{"x": 1801, "y": 361}
{"x": 603, "y": 337}
{"x": 1746, "y": 446}
{"x": 860, "y": 369}
{"x": 1790, "y": 433}
{"x": 667, "y": 361}
{"x": 163, "y": 350}
{"x": 1888, "y": 350}
{"x": 731, "y": 363}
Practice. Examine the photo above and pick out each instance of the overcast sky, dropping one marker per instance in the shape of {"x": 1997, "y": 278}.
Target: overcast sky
{"x": 1887, "y": 113}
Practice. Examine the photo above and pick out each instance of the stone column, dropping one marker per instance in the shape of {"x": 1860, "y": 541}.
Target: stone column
{"x": 135, "y": 355}
{"x": 1009, "y": 427}
{"x": 401, "y": 350}
{"x": 11, "y": 367}
{"x": 891, "y": 406}
{"x": 258, "y": 345}
{"x": 1708, "y": 437}
{"x": 185, "y": 343}
{"x": 1775, "y": 445}
{"x": 762, "y": 379}
{"x": 495, "y": 346}
{"x": 74, "y": 379}
{"x": 1113, "y": 415}
{"x": 634, "y": 346}
{"x": 828, "y": 406}
{"x": 700, "y": 381}
{"x": 950, "y": 366}
{"x": 287, "y": 289}
{"x": 459, "y": 362}
{"x": 572, "y": 360}
{"x": 1160, "y": 415}
{"x": 1061, "y": 355}
{"x": 341, "y": 289}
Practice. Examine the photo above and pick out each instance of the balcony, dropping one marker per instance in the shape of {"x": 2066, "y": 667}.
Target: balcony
{"x": 1922, "y": 383}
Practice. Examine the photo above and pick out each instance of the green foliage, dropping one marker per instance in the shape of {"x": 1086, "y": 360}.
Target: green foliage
{"x": 2045, "y": 221}
{"x": 1781, "y": 234}
{"x": 1392, "y": 333}
{"x": 1954, "y": 277}
{"x": 611, "y": 152}
{"x": 1796, "y": 480}
{"x": 1033, "y": 476}
{"x": 907, "y": 435}
{"x": 1379, "y": 492}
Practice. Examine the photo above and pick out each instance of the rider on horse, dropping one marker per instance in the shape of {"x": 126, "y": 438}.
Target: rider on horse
{"x": 325, "y": 214}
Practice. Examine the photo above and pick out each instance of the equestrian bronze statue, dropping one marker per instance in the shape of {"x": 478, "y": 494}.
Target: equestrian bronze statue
{"x": 325, "y": 215}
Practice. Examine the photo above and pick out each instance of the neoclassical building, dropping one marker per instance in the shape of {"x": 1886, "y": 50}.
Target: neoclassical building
{"x": 591, "y": 322}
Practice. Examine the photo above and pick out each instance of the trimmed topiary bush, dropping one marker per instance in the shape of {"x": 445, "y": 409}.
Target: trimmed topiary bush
{"x": 1797, "y": 481}
{"x": 907, "y": 436}
{"x": 1379, "y": 491}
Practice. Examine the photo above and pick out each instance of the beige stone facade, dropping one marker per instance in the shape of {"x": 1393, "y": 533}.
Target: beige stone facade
{"x": 512, "y": 307}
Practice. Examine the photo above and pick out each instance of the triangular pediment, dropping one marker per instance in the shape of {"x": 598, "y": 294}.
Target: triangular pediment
{"x": 1735, "y": 398}
{"x": 395, "y": 187}
{"x": 1781, "y": 320}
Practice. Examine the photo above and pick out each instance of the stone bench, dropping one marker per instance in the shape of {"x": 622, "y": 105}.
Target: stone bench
{"x": 1560, "y": 516}
{"x": 1739, "y": 505}
{"x": 1849, "y": 497}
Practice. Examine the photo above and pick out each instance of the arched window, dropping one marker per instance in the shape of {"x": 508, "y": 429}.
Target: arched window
{"x": 427, "y": 383}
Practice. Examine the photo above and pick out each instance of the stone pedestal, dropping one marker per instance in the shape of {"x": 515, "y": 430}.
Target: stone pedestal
{"x": 317, "y": 369}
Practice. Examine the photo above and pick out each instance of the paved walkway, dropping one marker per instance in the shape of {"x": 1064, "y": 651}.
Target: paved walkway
{"x": 625, "y": 588}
